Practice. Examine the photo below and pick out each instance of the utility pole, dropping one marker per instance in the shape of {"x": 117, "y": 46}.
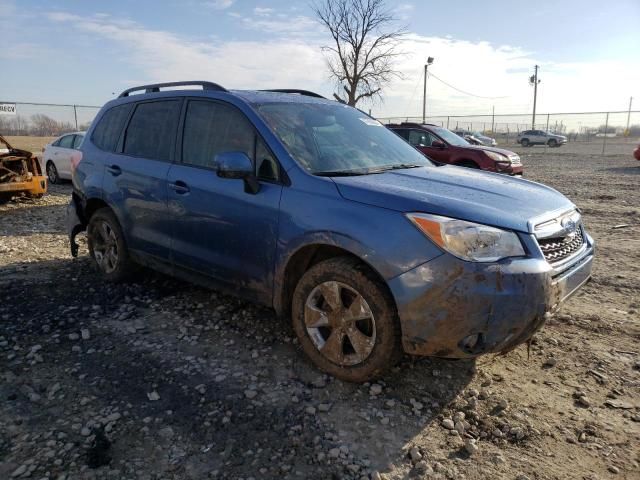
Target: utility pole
{"x": 626, "y": 132}
{"x": 493, "y": 118}
{"x": 424, "y": 94}
{"x": 534, "y": 80}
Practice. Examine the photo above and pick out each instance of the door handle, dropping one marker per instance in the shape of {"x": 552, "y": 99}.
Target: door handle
{"x": 179, "y": 187}
{"x": 114, "y": 170}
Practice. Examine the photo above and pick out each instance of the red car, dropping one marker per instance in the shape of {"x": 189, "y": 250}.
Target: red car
{"x": 444, "y": 146}
{"x": 636, "y": 152}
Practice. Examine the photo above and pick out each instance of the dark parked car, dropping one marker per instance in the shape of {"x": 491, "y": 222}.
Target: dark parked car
{"x": 315, "y": 209}
{"x": 636, "y": 153}
{"x": 529, "y": 138}
{"x": 444, "y": 146}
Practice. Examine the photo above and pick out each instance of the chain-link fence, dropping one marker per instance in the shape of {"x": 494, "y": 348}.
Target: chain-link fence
{"x": 597, "y": 132}
{"x": 45, "y": 119}
{"x": 592, "y": 132}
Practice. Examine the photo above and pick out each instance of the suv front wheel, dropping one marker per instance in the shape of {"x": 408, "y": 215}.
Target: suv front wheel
{"x": 552, "y": 143}
{"x": 107, "y": 246}
{"x": 346, "y": 321}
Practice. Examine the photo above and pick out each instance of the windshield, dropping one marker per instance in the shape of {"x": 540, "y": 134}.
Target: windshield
{"x": 338, "y": 139}
{"x": 450, "y": 137}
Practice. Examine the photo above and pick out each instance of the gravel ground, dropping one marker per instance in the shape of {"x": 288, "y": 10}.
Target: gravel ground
{"x": 161, "y": 379}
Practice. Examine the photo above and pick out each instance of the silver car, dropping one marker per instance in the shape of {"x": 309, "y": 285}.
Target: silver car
{"x": 540, "y": 137}
{"x": 482, "y": 139}
{"x": 56, "y": 156}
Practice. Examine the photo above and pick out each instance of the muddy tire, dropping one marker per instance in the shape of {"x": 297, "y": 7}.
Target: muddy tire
{"x": 107, "y": 246}
{"x": 346, "y": 320}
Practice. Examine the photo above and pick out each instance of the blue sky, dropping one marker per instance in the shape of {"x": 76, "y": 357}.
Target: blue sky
{"x": 75, "y": 51}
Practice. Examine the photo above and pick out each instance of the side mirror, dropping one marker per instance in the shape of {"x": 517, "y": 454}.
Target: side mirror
{"x": 438, "y": 144}
{"x": 237, "y": 165}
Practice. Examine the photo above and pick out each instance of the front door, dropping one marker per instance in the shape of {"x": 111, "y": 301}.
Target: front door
{"x": 422, "y": 141}
{"x": 219, "y": 229}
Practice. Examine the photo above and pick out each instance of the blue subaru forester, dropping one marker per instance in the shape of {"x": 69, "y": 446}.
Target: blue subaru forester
{"x": 317, "y": 210}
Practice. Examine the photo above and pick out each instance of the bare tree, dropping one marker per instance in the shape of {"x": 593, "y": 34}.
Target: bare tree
{"x": 365, "y": 41}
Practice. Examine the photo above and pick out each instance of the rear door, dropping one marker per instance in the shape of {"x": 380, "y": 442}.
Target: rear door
{"x": 136, "y": 179}
{"x": 219, "y": 229}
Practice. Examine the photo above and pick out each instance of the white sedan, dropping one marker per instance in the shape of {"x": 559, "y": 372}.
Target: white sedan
{"x": 56, "y": 156}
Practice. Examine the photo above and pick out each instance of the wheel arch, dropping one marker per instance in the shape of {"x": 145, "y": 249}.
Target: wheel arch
{"x": 302, "y": 260}
{"x": 462, "y": 162}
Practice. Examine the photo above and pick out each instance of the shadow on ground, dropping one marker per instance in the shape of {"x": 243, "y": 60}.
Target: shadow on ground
{"x": 234, "y": 391}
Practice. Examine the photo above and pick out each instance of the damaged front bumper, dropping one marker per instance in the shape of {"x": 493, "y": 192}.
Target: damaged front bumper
{"x": 456, "y": 309}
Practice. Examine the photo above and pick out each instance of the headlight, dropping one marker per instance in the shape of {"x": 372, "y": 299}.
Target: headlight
{"x": 498, "y": 157}
{"x": 469, "y": 241}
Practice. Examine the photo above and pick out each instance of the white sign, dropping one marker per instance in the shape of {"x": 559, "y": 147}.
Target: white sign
{"x": 7, "y": 108}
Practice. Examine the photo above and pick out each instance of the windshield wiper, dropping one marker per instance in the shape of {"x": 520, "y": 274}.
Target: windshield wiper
{"x": 405, "y": 165}
{"x": 340, "y": 173}
{"x": 368, "y": 171}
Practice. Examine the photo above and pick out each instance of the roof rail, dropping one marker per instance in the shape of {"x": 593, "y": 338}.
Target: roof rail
{"x": 294, "y": 90}
{"x": 155, "y": 87}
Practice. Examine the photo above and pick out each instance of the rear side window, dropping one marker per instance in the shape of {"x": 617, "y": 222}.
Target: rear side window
{"x": 152, "y": 130}
{"x": 66, "y": 141}
{"x": 211, "y": 128}
{"x": 107, "y": 133}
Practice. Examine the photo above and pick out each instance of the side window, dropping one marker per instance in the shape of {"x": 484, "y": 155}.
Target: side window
{"x": 107, "y": 133}
{"x": 419, "y": 138}
{"x": 404, "y": 133}
{"x": 77, "y": 141}
{"x": 66, "y": 141}
{"x": 212, "y": 128}
{"x": 152, "y": 130}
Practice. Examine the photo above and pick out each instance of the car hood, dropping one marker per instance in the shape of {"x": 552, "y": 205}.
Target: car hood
{"x": 457, "y": 192}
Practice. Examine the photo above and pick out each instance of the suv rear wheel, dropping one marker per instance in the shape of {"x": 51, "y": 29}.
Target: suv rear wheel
{"x": 346, "y": 321}
{"x": 524, "y": 142}
{"x": 107, "y": 246}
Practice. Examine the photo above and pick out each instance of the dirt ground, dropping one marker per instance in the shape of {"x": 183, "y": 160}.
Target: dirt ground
{"x": 161, "y": 379}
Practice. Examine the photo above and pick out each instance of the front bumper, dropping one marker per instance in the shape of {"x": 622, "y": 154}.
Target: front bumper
{"x": 456, "y": 309}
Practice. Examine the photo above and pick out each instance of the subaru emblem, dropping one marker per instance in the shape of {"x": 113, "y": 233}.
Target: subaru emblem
{"x": 569, "y": 225}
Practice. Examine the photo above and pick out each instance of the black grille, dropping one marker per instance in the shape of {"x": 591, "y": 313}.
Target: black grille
{"x": 558, "y": 248}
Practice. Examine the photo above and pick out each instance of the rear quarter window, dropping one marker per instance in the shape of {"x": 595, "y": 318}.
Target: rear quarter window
{"x": 107, "y": 133}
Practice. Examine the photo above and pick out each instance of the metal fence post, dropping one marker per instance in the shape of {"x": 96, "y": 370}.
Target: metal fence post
{"x": 606, "y": 128}
{"x": 547, "y": 145}
{"x": 75, "y": 115}
{"x": 447, "y": 122}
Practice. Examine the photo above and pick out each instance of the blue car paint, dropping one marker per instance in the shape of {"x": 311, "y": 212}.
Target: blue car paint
{"x": 245, "y": 247}
{"x": 464, "y": 193}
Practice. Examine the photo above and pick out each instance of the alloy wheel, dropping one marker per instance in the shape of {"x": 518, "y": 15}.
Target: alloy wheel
{"x": 340, "y": 323}
{"x": 52, "y": 173}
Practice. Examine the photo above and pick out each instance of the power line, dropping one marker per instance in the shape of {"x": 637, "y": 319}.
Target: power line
{"x": 462, "y": 91}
